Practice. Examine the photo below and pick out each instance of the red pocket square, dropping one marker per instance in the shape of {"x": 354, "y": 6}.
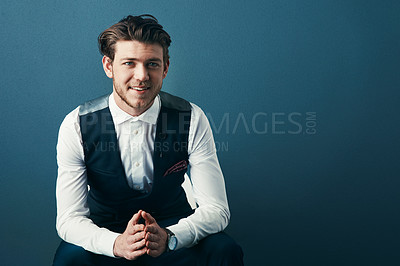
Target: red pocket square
{"x": 182, "y": 165}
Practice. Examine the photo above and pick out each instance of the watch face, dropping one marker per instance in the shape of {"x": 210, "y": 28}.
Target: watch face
{"x": 173, "y": 242}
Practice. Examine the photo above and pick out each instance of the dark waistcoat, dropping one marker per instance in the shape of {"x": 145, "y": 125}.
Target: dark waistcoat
{"x": 111, "y": 201}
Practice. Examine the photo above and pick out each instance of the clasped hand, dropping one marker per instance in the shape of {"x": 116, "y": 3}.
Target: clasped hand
{"x": 139, "y": 239}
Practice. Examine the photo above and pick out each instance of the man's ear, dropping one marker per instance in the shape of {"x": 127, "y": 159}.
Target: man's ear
{"x": 166, "y": 67}
{"x": 107, "y": 66}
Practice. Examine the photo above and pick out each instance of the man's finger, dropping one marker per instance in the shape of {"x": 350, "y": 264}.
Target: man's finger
{"x": 136, "y": 217}
{"x": 151, "y": 229}
{"x": 148, "y": 218}
{"x": 153, "y": 252}
{"x": 133, "y": 229}
{"x": 152, "y": 237}
{"x": 136, "y": 237}
{"x": 138, "y": 245}
{"x": 136, "y": 254}
{"x": 152, "y": 245}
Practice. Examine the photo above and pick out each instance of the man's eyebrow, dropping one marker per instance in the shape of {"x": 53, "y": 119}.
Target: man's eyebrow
{"x": 135, "y": 59}
{"x": 155, "y": 59}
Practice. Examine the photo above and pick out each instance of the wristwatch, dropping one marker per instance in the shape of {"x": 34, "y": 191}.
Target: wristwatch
{"x": 172, "y": 241}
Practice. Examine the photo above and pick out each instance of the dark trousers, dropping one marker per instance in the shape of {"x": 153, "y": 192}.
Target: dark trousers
{"x": 217, "y": 249}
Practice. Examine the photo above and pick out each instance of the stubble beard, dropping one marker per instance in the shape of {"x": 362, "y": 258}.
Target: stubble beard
{"x": 139, "y": 107}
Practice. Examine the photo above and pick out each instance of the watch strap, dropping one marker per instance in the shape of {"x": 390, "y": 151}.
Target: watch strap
{"x": 169, "y": 235}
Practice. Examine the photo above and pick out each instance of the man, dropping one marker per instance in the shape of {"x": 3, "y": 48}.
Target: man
{"x": 122, "y": 159}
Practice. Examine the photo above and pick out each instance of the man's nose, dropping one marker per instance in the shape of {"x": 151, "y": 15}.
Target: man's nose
{"x": 141, "y": 73}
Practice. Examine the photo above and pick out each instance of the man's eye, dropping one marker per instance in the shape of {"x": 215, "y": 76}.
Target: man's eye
{"x": 128, "y": 63}
{"x": 152, "y": 64}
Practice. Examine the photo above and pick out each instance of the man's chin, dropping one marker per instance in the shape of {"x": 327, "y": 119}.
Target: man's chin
{"x": 140, "y": 104}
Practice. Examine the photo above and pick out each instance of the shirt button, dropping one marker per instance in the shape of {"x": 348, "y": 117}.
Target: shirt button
{"x": 137, "y": 187}
{"x": 135, "y": 132}
{"x": 137, "y": 164}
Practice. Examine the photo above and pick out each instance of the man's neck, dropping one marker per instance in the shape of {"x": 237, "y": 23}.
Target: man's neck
{"x": 133, "y": 111}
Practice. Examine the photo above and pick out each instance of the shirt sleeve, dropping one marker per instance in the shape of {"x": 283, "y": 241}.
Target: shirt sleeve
{"x": 212, "y": 214}
{"x": 72, "y": 223}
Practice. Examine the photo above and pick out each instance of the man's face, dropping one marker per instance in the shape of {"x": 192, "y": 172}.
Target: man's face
{"x": 137, "y": 71}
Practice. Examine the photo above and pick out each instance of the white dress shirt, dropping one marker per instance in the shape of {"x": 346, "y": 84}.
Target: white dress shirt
{"x": 137, "y": 134}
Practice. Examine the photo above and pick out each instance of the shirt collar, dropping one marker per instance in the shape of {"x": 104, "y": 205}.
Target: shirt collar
{"x": 149, "y": 116}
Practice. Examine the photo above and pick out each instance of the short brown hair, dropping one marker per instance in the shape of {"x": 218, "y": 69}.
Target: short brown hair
{"x": 143, "y": 28}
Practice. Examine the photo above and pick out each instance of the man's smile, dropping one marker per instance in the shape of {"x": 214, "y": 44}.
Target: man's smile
{"x": 138, "y": 88}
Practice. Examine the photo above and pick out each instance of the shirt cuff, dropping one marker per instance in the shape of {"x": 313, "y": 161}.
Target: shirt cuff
{"x": 184, "y": 233}
{"x": 108, "y": 247}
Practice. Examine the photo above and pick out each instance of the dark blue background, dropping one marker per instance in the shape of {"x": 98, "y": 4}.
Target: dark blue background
{"x": 256, "y": 68}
